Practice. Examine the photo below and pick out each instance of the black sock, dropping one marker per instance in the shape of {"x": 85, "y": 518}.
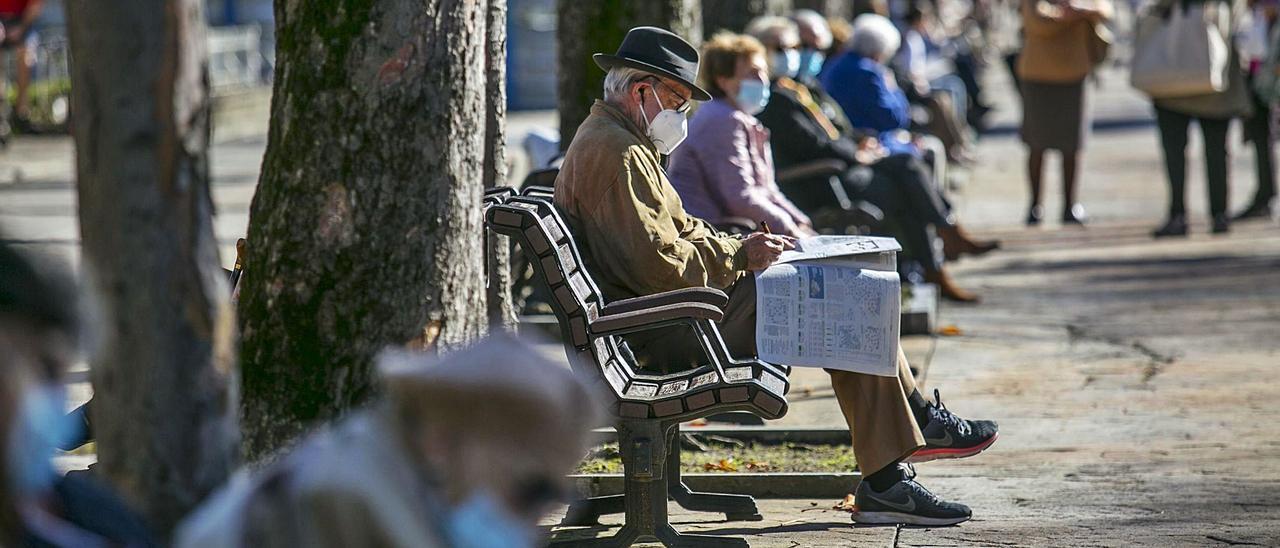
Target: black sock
{"x": 884, "y": 478}
{"x": 919, "y": 408}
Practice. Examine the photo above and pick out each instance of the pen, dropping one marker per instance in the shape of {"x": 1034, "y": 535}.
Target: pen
{"x": 764, "y": 225}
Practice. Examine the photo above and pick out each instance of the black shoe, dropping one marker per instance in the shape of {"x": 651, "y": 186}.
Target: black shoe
{"x": 1175, "y": 226}
{"x": 905, "y": 502}
{"x": 1259, "y": 210}
{"x": 1034, "y": 215}
{"x": 1074, "y": 215}
{"x": 1221, "y": 223}
{"x": 22, "y": 125}
{"x": 947, "y": 436}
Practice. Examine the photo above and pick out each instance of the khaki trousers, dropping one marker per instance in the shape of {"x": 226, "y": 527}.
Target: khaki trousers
{"x": 876, "y": 409}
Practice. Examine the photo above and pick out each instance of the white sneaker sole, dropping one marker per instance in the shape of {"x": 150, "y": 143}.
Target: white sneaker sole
{"x": 895, "y": 518}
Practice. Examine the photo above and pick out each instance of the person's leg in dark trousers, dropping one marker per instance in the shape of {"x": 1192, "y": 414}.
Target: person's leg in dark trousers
{"x": 1258, "y": 129}
{"x": 1217, "y": 171}
{"x": 920, "y": 214}
{"x": 1173, "y": 142}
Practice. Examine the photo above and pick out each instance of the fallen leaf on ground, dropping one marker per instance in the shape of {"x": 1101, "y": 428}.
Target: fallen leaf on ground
{"x": 846, "y": 504}
{"x": 725, "y": 465}
{"x": 950, "y": 331}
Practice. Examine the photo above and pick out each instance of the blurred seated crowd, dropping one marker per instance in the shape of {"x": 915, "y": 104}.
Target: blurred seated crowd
{"x": 813, "y": 120}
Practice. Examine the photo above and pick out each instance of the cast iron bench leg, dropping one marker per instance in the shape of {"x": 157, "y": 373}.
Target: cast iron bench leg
{"x": 734, "y": 507}
{"x": 644, "y": 446}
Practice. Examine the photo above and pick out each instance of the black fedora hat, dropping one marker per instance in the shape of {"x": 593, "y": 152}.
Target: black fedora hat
{"x": 660, "y": 52}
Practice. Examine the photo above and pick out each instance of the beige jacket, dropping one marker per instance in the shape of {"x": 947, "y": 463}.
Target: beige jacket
{"x": 627, "y": 219}
{"x": 1055, "y": 52}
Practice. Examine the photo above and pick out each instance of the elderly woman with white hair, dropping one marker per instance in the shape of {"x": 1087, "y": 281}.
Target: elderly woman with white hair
{"x": 866, "y": 89}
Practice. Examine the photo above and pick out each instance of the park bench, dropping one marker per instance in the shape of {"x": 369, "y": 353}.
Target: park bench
{"x": 648, "y": 408}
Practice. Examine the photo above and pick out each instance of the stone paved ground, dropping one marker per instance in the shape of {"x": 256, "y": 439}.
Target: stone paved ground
{"x": 1136, "y": 382}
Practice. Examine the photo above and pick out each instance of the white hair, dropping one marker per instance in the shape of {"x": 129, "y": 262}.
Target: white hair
{"x": 816, "y": 23}
{"x": 771, "y": 30}
{"x": 874, "y": 36}
{"x": 618, "y": 80}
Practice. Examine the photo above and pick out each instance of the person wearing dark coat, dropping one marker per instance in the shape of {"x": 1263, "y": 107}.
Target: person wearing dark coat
{"x": 901, "y": 186}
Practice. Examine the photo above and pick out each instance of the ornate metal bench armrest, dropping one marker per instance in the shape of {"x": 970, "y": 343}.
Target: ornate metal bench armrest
{"x": 704, "y": 295}
{"x": 645, "y": 318}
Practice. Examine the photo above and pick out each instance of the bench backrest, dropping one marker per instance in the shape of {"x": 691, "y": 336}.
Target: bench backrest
{"x": 722, "y": 384}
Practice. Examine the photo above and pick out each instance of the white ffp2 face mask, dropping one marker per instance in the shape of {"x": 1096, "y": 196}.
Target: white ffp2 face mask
{"x": 668, "y": 129}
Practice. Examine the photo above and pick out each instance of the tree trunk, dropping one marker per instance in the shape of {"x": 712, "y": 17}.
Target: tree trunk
{"x": 501, "y": 308}
{"x": 828, "y": 8}
{"x": 733, "y": 15}
{"x": 586, "y": 28}
{"x": 365, "y": 230}
{"x": 164, "y": 376}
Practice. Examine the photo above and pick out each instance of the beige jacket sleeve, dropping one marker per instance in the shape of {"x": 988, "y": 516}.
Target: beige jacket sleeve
{"x": 643, "y": 237}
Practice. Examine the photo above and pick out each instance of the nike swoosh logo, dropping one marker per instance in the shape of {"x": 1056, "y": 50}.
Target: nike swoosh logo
{"x": 944, "y": 441}
{"x": 906, "y": 504}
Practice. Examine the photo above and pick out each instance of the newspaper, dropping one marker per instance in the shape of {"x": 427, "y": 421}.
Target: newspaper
{"x": 833, "y": 303}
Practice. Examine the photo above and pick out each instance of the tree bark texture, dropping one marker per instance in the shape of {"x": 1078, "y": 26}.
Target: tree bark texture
{"x": 733, "y": 15}
{"x": 501, "y": 307}
{"x": 586, "y": 28}
{"x": 365, "y": 230}
{"x": 164, "y": 374}
{"x": 828, "y": 8}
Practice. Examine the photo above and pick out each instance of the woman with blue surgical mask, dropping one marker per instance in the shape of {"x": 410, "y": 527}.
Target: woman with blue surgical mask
{"x": 724, "y": 170}
{"x": 38, "y": 505}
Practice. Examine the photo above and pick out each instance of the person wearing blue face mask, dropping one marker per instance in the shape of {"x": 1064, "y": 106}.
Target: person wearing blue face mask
{"x": 725, "y": 169}
{"x": 39, "y": 506}
{"x": 815, "y": 40}
{"x": 808, "y": 126}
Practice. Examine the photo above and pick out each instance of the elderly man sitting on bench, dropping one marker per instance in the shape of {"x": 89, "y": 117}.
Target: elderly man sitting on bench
{"x": 636, "y": 239}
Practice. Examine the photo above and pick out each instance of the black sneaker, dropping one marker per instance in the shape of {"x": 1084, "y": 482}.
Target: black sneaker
{"x": 906, "y": 503}
{"x": 947, "y": 436}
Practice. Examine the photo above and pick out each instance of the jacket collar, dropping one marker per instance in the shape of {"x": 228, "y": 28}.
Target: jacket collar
{"x": 601, "y": 108}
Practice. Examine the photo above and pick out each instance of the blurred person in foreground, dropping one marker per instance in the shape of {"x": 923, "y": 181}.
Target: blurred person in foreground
{"x": 39, "y": 332}
{"x": 468, "y": 450}
{"x": 725, "y": 168}
{"x": 801, "y": 132}
{"x": 1212, "y": 111}
{"x": 1052, "y": 68}
{"x": 1259, "y": 46}
{"x": 19, "y": 39}
{"x": 637, "y": 239}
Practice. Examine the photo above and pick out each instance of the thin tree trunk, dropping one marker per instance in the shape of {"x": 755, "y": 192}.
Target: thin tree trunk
{"x": 733, "y": 15}
{"x": 501, "y": 308}
{"x": 164, "y": 376}
{"x": 365, "y": 230}
{"x": 606, "y": 23}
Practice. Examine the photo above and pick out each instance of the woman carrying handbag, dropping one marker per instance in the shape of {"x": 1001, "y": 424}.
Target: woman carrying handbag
{"x": 1185, "y": 59}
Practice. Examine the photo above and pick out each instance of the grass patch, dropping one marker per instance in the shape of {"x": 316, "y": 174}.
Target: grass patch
{"x": 742, "y": 458}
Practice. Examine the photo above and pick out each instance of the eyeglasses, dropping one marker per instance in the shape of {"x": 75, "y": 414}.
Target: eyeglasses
{"x": 684, "y": 106}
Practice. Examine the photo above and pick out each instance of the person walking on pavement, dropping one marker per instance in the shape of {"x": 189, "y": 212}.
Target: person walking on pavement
{"x": 1052, "y": 68}
{"x": 18, "y": 38}
{"x": 1213, "y": 111}
{"x": 1259, "y": 45}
